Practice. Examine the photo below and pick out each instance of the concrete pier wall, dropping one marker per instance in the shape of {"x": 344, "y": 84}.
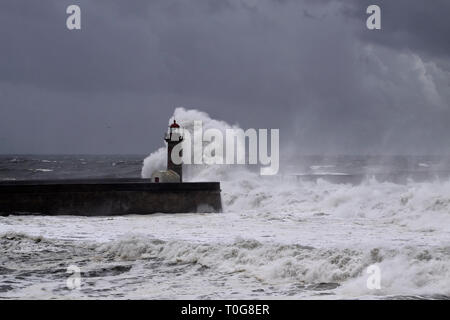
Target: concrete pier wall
{"x": 107, "y": 197}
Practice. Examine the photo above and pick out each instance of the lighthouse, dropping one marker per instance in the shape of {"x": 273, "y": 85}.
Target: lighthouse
{"x": 174, "y": 172}
{"x": 173, "y": 137}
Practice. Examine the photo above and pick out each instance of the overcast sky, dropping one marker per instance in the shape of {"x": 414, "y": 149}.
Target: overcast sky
{"x": 308, "y": 67}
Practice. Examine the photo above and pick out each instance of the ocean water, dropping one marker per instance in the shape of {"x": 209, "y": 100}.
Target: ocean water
{"x": 291, "y": 236}
{"x": 277, "y": 238}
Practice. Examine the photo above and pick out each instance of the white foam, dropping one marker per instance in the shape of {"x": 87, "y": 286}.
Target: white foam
{"x": 157, "y": 160}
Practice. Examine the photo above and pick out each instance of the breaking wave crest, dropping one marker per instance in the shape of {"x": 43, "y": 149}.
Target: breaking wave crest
{"x": 407, "y": 270}
{"x": 421, "y": 206}
{"x": 157, "y": 160}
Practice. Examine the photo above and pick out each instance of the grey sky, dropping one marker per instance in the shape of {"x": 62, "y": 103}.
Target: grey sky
{"x": 310, "y": 68}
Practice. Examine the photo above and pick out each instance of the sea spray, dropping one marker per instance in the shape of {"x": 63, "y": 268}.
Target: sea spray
{"x": 186, "y": 118}
{"x": 220, "y": 145}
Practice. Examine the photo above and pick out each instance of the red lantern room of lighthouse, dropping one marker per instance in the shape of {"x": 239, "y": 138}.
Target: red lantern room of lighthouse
{"x": 173, "y": 137}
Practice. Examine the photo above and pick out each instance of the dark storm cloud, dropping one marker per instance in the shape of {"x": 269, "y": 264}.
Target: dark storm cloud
{"x": 420, "y": 26}
{"x": 308, "y": 67}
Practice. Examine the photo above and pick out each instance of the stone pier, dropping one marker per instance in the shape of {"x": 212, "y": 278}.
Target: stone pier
{"x": 107, "y": 197}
